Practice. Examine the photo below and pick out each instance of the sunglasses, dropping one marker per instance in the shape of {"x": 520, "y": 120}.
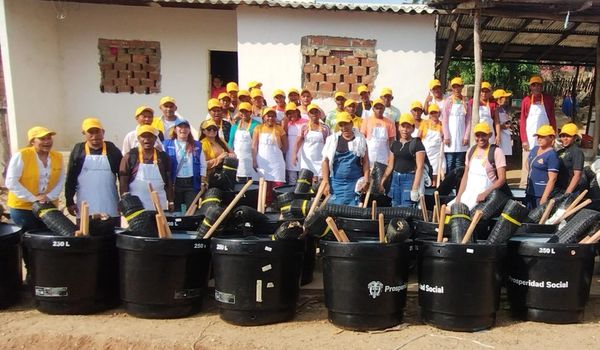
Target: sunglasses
{"x": 211, "y": 128}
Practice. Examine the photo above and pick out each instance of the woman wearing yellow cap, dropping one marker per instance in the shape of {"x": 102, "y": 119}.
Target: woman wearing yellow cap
{"x": 279, "y": 107}
{"x": 294, "y": 96}
{"x": 379, "y": 132}
{"x": 145, "y": 165}
{"x": 215, "y": 113}
{"x": 363, "y": 109}
{"x": 416, "y": 109}
{"x": 225, "y": 101}
{"x": 214, "y": 148}
{"x": 503, "y": 131}
{"x": 306, "y": 98}
{"x": 390, "y": 112}
{"x": 571, "y": 157}
{"x": 309, "y": 144}
{"x": 543, "y": 168}
{"x": 345, "y": 161}
{"x": 350, "y": 108}
{"x": 430, "y": 133}
{"x": 339, "y": 99}
{"x": 456, "y": 123}
{"x": 144, "y": 115}
{"x": 434, "y": 96}
{"x": 240, "y": 142}
{"x": 487, "y": 108}
{"x": 258, "y": 103}
{"x": 34, "y": 174}
{"x": 269, "y": 143}
{"x": 292, "y": 124}
{"x": 92, "y": 173}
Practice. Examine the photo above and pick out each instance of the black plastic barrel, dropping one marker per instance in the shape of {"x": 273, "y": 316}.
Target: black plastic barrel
{"x": 549, "y": 282}
{"x": 250, "y": 198}
{"x": 531, "y": 228}
{"x": 163, "y": 277}
{"x": 459, "y": 285}
{"x": 359, "y": 228}
{"x": 257, "y": 280}
{"x": 365, "y": 283}
{"x": 72, "y": 275}
{"x": 428, "y": 230}
{"x": 178, "y": 221}
{"x": 10, "y": 264}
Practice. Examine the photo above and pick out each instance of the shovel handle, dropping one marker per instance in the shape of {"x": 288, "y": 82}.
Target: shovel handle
{"x": 381, "y": 228}
{"x": 547, "y": 212}
{"x": 229, "y": 208}
{"x": 471, "y": 228}
{"x": 441, "y": 224}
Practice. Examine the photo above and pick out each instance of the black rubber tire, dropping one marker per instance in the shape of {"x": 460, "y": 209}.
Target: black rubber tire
{"x": 211, "y": 215}
{"x": 317, "y": 227}
{"x": 298, "y": 209}
{"x": 398, "y": 230}
{"x": 376, "y": 175}
{"x": 578, "y": 226}
{"x": 129, "y": 204}
{"x": 244, "y": 214}
{"x": 283, "y": 200}
{"x": 144, "y": 224}
{"x": 407, "y": 213}
{"x": 459, "y": 225}
{"x": 290, "y": 230}
{"x": 451, "y": 181}
{"x": 492, "y": 205}
{"x": 504, "y": 229}
{"x": 54, "y": 219}
{"x": 561, "y": 201}
{"x": 347, "y": 211}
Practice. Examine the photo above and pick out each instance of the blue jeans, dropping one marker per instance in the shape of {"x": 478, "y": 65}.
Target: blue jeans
{"x": 454, "y": 160}
{"x": 26, "y": 219}
{"x": 400, "y": 188}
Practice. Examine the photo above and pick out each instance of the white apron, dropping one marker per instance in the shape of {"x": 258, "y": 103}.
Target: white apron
{"x": 485, "y": 115}
{"x": 292, "y": 133}
{"x": 477, "y": 182}
{"x": 432, "y": 143}
{"x": 456, "y": 127}
{"x": 148, "y": 173}
{"x": 311, "y": 154}
{"x": 96, "y": 184}
{"x": 378, "y": 145}
{"x": 415, "y": 132}
{"x": 242, "y": 144}
{"x": 505, "y": 139}
{"x": 537, "y": 117}
{"x": 269, "y": 159}
{"x": 366, "y": 113}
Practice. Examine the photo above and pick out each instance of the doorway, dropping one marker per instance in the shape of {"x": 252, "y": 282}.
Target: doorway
{"x": 223, "y": 64}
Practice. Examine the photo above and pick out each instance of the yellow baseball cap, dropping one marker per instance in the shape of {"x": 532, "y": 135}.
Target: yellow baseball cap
{"x": 482, "y": 127}
{"x": 486, "y": 85}
{"x": 142, "y": 129}
{"x": 349, "y": 102}
{"x": 569, "y": 129}
{"x": 39, "y": 131}
{"x": 223, "y": 95}
{"x": 378, "y": 101}
{"x": 434, "y": 108}
{"x": 343, "y": 117}
{"x": 290, "y": 106}
{"x": 313, "y": 106}
{"x": 208, "y": 123}
{"x": 535, "y": 79}
{"x": 500, "y": 93}
{"x": 267, "y": 111}
{"x": 278, "y": 92}
{"x": 545, "y": 130}
{"x": 416, "y": 104}
{"x": 246, "y": 106}
{"x": 232, "y": 86}
{"x": 339, "y": 94}
{"x": 433, "y": 83}
{"x": 293, "y": 91}
{"x": 305, "y": 90}
{"x": 362, "y": 88}
{"x": 254, "y": 84}
{"x": 90, "y": 123}
{"x": 142, "y": 109}
{"x": 406, "y": 118}
{"x": 256, "y": 93}
{"x": 167, "y": 99}
{"x": 243, "y": 93}
{"x": 456, "y": 81}
{"x": 212, "y": 103}
{"x": 386, "y": 91}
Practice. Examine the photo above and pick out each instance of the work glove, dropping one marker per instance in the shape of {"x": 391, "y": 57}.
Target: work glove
{"x": 414, "y": 196}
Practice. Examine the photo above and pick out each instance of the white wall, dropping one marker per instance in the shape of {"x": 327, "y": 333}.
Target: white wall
{"x": 70, "y": 59}
{"x": 269, "y": 47}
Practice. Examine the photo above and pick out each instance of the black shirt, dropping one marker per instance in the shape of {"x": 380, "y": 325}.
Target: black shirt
{"x": 342, "y": 146}
{"x": 76, "y": 160}
{"x": 405, "y": 155}
{"x": 571, "y": 159}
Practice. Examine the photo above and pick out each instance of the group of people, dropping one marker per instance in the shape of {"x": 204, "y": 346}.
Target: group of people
{"x": 275, "y": 142}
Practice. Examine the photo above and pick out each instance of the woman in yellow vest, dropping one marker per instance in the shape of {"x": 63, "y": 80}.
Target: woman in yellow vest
{"x": 34, "y": 174}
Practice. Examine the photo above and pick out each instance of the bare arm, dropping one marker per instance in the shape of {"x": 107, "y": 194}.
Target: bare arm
{"x": 255, "y": 148}
{"x": 325, "y": 172}
{"x": 297, "y": 146}
{"x": 420, "y": 159}
{"x": 552, "y": 176}
{"x": 387, "y": 173}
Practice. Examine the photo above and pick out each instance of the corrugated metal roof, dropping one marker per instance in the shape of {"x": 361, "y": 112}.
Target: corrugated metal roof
{"x": 340, "y": 6}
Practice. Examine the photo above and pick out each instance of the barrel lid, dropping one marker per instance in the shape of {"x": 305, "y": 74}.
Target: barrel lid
{"x": 255, "y": 245}
{"x": 45, "y": 239}
{"x": 180, "y": 243}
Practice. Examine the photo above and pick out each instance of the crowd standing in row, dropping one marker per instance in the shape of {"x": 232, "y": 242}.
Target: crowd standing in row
{"x": 274, "y": 142}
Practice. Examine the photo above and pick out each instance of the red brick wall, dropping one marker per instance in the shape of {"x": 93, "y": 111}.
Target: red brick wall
{"x": 338, "y": 64}
{"x": 130, "y": 66}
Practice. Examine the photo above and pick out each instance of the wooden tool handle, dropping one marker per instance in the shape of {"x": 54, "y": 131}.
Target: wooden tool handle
{"x": 84, "y": 216}
{"x": 162, "y": 233}
{"x": 577, "y": 200}
{"x": 336, "y": 232}
{"x": 343, "y": 236}
{"x": 260, "y": 206}
{"x": 435, "y": 215}
{"x": 374, "y": 210}
{"x": 156, "y": 201}
{"x": 325, "y": 201}
{"x": 591, "y": 239}
{"x": 568, "y": 213}
{"x": 229, "y": 208}
{"x": 436, "y": 199}
{"x": 367, "y": 197}
{"x": 381, "y": 229}
{"x": 315, "y": 202}
{"x": 78, "y": 233}
{"x": 423, "y": 208}
{"x": 547, "y": 212}
{"x": 194, "y": 205}
{"x": 442, "y": 223}
{"x": 471, "y": 228}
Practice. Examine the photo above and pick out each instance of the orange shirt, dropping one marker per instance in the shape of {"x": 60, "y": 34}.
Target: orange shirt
{"x": 372, "y": 122}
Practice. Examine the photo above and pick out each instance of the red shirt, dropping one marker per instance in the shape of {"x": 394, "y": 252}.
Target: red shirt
{"x": 526, "y": 104}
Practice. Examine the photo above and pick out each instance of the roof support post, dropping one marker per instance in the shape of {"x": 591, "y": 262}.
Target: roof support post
{"x": 478, "y": 67}
{"x": 597, "y": 98}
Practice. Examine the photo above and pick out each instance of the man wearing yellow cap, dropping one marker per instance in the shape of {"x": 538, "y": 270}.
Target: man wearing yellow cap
{"x": 503, "y": 127}
{"x": 240, "y": 142}
{"x": 350, "y": 108}
{"x": 380, "y": 132}
{"x": 487, "y": 108}
{"x": 279, "y": 107}
{"x": 434, "y": 96}
{"x": 570, "y": 179}
{"x": 92, "y": 173}
{"x": 34, "y": 174}
{"x": 292, "y": 124}
{"x": 145, "y": 164}
{"x": 430, "y": 133}
{"x": 306, "y": 98}
{"x": 339, "y": 98}
{"x": 456, "y": 123}
{"x": 144, "y": 115}
{"x": 294, "y": 96}
{"x": 232, "y": 90}
{"x": 225, "y": 101}
{"x": 215, "y": 112}
{"x": 363, "y": 108}
{"x": 416, "y": 110}
{"x": 390, "y": 112}
{"x": 537, "y": 109}
{"x": 258, "y": 104}
{"x": 169, "y": 118}
{"x": 481, "y": 176}
{"x": 543, "y": 168}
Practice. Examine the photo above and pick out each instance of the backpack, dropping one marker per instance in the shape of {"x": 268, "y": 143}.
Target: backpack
{"x": 428, "y": 169}
{"x": 504, "y": 188}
